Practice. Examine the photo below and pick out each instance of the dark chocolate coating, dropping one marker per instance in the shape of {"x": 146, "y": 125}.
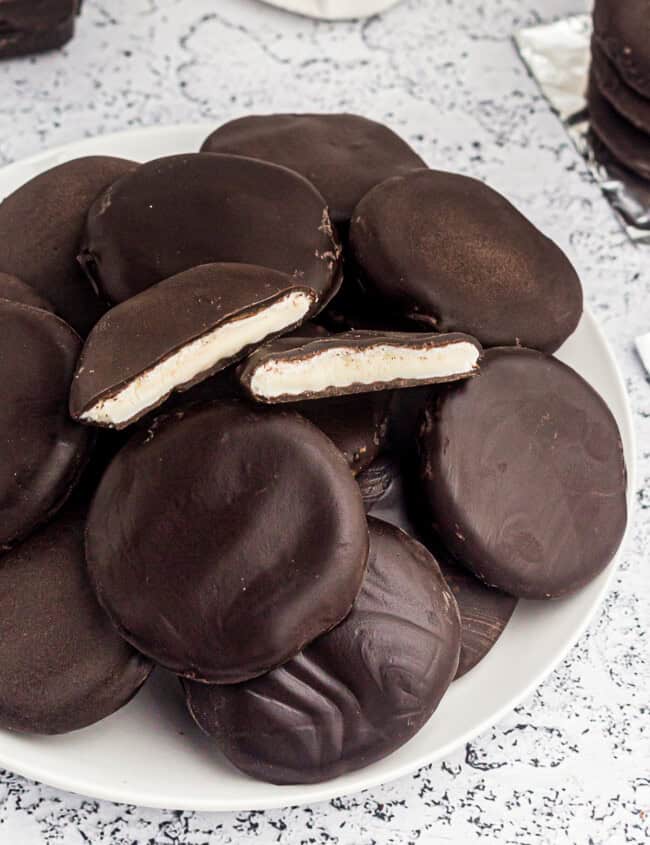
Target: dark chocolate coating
{"x": 15, "y": 290}
{"x": 297, "y": 349}
{"x": 624, "y": 141}
{"x": 484, "y": 611}
{"x": 355, "y": 694}
{"x": 627, "y": 102}
{"x": 391, "y": 492}
{"x": 357, "y": 425}
{"x": 40, "y": 230}
{"x": 42, "y": 451}
{"x": 182, "y": 211}
{"x": 343, "y": 155}
{"x": 34, "y": 26}
{"x": 448, "y": 251}
{"x": 524, "y": 473}
{"x": 223, "y": 539}
{"x": 622, "y": 28}
{"x": 63, "y": 665}
{"x": 136, "y": 335}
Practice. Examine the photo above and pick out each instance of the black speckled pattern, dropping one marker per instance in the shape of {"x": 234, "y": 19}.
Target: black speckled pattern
{"x": 571, "y": 764}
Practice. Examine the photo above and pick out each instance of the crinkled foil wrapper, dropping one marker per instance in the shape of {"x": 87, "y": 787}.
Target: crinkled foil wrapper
{"x": 558, "y": 56}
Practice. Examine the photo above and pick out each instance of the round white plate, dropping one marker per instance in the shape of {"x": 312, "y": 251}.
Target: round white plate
{"x": 150, "y": 753}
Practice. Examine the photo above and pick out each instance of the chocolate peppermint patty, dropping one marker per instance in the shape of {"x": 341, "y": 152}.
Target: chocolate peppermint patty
{"x": 627, "y": 102}
{"x": 343, "y": 155}
{"x": 622, "y": 28}
{"x": 15, "y": 290}
{"x": 625, "y": 142}
{"x": 63, "y": 665}
{"x": 179, "y": 212}
{"x": 355, "y": 694}
{"x": 223, "y": 539}
{"x": 177, "y": 333}
{"x": 524, "y": 474}
{"x": 41, "y": 225}
{"x": 42, "y": 451}
{"x": 34, "y": 26}
{"x": 291, "y": 369}
{"x": 447, "y": 251}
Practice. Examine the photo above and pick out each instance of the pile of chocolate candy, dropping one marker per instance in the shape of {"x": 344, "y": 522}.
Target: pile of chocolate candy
{"x": 619, "y": 82}
{"x": 286, "y": 336}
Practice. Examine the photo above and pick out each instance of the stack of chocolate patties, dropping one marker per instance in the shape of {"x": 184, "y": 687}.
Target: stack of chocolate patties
{"x": 294, "y": 338}
{"x": 619, "y": 83}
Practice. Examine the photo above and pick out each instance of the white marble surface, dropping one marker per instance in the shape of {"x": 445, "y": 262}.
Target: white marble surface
{"x": 572, "y": 764}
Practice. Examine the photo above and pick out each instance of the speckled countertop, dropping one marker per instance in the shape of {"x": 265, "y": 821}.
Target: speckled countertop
{"x": 572, "y": 764}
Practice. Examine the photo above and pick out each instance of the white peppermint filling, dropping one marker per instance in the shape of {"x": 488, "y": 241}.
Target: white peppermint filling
{"x": 199, "y": 356}
{"x": 345, "y": 366}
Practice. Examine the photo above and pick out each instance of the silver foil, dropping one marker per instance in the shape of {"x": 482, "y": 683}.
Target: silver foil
{"x": 558, "y": 56}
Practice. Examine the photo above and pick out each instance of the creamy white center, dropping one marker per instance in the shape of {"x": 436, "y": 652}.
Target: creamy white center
{"x": 345, "y": 366}
{"x": 199, "y": 356}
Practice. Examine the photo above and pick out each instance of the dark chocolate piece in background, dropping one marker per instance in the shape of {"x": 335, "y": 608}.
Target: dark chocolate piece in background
{"x": 15, "y": 290}
{"x": 41, "y": 225}
{"x": 223, "y": 385}
{"x": 525, "y": 477}
{"x": 178, "y": 212}
{"x": 627, "y": 102}
{"x": 137, "y": 336}
{"x": 447, "y": 251}
{"x": 343, "y": 155}
{"x": 43, "y": 452}
{"x": 484, "y": 612}
{"x": 357, "y": 425}
{"x": 223, "y": 539}
{"x": 35, "y": 26}
{"x": 391, "y": 491}
{"x": 63, "y": 665}
{"x": 622, "y": 28}
{"x": 287, "y": 351}
{"x": 355, "y": 694}
{"x": 624, "y": 141}
{"x": 352, "y": 309}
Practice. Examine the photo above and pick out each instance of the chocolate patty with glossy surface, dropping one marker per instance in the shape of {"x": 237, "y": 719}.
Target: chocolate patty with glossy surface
{"x": 448, "y": 251}
{"x": 34, "y": 26}
{"x": 42, "y": 451}
{"x": 525, "y": 477}
{"x": 627, "y": 102}
{"x": 223, "y": 539}
{"x": 343, "y": 155}
{"x": 63, "y": 665}
{"x": 355, "y": 694}
{"x": 182, "y": 211}
{"x": 622, "y": 28}
{"x": 41, "y": 225}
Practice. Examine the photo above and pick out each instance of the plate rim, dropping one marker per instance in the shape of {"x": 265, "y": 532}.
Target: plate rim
{"x": 329, "y": 790}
